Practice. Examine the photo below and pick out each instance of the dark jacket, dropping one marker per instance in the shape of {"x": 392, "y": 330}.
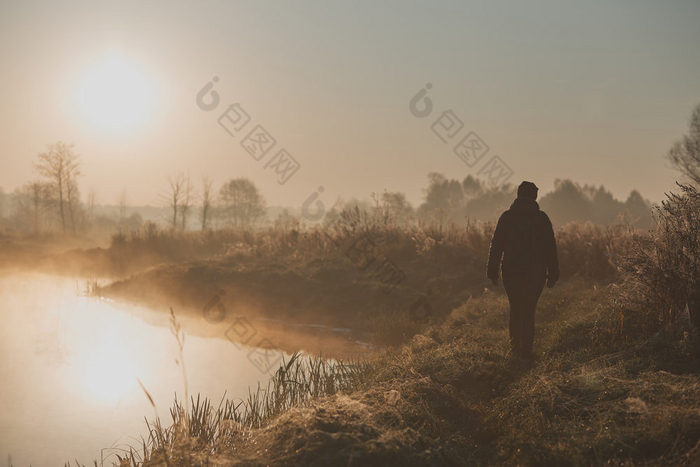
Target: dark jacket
{"x": 525, "y": 239}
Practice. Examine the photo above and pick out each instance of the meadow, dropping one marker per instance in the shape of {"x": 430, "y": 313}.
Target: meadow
{"x": 615, "y": 378}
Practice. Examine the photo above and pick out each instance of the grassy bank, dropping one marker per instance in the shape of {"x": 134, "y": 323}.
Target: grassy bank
{"x": 372, "y": 278}
{"x": 615, "y": 379}
{"x": 597, "y": 394}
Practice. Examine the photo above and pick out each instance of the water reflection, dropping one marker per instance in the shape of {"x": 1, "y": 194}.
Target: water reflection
{"x": 69, "y": 367}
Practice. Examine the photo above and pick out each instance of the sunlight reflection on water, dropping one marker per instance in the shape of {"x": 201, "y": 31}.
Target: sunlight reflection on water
{"x": 69, "y": 367}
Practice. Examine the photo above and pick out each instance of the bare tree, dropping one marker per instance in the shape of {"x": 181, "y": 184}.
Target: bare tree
{"x": 394, "y": 208}
{"x": 72, "y": 198}
{"x": 30, "y": 204}
{"x": 206, "y": 202}
{"x": 60, "y": 166}
{"x": 36, "y": 204}
{"x": 91, "y": 206}
{"x": 185, "y": 204}
{"x": 122, "y": 206}
{"x": 241, "y": 202}
{"x": 175, "y": 196}
{"x": 685, "y": 153}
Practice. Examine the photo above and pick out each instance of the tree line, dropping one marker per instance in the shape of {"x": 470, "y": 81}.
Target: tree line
{"x": 52, "y": 201}
{"x": 239, "y": 203}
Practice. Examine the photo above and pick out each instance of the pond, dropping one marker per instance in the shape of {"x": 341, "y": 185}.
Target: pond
{"x": 70, "y": 367}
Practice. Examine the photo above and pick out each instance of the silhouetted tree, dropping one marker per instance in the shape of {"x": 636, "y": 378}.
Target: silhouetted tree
{"x": 443, "y": 198}
{"x": 72, "y": 201}
{"x": 60, "y": 166}
{"x": 395, "y": 208}
{"x": 90, "y": 212}
{"x": 286, "y": 222}
{"x": 175, "y": 195}
{"x": 122, "y": 206}
{"x": 31, "y": 204}
{"x": 472, "y": 187}
{"x": 566, "y": 203}
{"x": 185, "y": 204}
{"x": 39, "y": 195}
{"x": 206, "y": 202}
{"x": 639, "y": 210}
{"x": 685, "y": 153}
{"x": 241, "y": 202}
{"x": 605, "y": 208}
{"x": 489, "y": 202}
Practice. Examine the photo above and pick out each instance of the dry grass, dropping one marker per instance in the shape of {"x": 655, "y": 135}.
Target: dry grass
{"x": 451, "y": 396}
{"x": 606, "y": 386}
{"x": 663, "y": 270}
{"x": 585, "y": 249}
{"x": 206, "y": 430}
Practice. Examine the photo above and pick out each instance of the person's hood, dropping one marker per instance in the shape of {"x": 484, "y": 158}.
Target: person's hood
{"x": 525, "y": 204}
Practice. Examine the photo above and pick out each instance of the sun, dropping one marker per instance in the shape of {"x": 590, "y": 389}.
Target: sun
{"x": 116, "y": 95}
{"x": 107, "y": 373}
{"x": 107, "y": 362}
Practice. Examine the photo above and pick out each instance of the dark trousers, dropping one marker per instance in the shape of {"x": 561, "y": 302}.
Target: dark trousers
{"x": 523, "y": 291}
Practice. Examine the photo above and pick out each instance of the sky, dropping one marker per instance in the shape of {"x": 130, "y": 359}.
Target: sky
{"x": 593, "y": 91}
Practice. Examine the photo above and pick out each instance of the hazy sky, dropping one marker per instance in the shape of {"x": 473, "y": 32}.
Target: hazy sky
{"x": 595, "y": 91}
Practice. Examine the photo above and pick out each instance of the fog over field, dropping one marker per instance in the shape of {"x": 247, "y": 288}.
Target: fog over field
{"x": 349, "y": 233}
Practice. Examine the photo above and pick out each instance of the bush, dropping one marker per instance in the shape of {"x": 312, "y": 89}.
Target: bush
{"x": 662, "y": 271}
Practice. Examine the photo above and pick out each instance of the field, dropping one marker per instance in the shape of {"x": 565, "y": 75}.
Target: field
{"x": 615, "y": 378}
{"x": 279, "y": 233}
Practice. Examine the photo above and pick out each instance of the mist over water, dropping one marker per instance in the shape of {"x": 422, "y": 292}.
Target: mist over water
{"x": 69, "y": 366}
{"x": 349, "y": 233}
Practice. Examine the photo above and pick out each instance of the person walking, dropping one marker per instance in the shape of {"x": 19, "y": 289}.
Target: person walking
{"x": 524, "y": 248}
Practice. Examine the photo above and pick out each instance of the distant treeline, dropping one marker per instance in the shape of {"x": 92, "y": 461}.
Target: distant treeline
{"x": 448, "y": 201}
{"x": 472, "y": 199}
{"x": 52, "y": 201}
{"x": 35, "y": 207}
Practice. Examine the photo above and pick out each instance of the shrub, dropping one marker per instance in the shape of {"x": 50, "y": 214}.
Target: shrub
{"x": 662, "y": 271}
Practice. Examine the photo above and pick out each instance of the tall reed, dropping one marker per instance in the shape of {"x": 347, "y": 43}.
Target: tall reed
{"x": 208, "y": 429}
